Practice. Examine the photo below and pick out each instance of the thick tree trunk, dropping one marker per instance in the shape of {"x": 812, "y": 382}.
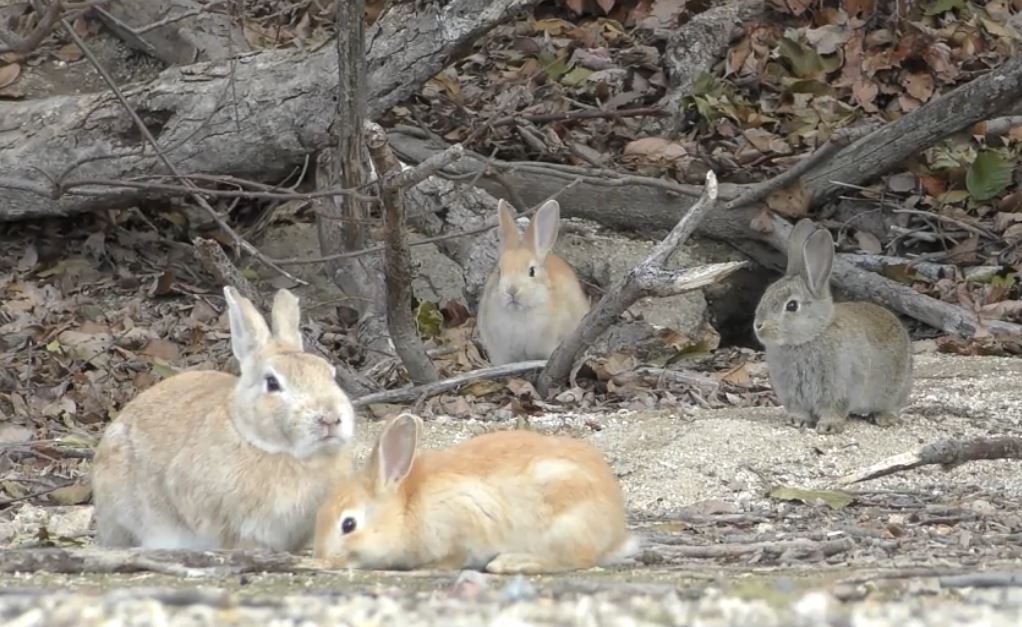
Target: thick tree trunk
{"x": 258, "y": 116}
{"x": 204, "y": 32}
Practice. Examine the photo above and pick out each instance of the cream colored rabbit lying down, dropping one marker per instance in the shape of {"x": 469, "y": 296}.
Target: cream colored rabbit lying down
{"x": 207, "y": 460}
{"x": 509, "y": 502}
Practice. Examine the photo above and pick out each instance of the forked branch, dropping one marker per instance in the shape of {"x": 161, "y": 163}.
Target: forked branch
{"x": 649, "y": 278}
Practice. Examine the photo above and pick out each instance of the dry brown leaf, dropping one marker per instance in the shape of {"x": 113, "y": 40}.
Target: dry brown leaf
{"x": 868, "y": 242}
{"x": 9, "y": 74}
{"x": 1001, "y": 310}
{"x": 739, "y": 375}
{"x": 790, "y": 202}
{"x": 606, "y": 5}
{"x": 75, "y": 494}
{"x": 965, "y": 251}
{"x": 575, "y": 5}
{"x": 859, "y": 7}
{"x": 827, "y": 39}
{"x": 865, "y": 92}
{"x": 919, "y": 85}
{"x": 761, "y": 222}
{"x": 901, "y": 183}
{"x": 162, "y": 349}
{"x": 933, "y": 185}
{"x": 791, "y": 7}
{"x": 69, "y": 53}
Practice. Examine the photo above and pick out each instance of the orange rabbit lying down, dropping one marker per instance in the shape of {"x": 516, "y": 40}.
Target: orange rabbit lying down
{"x": 506, "y": 502}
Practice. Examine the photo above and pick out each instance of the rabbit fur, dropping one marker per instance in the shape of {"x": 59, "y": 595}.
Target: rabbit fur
{"x": 207, "y": 460}
{"x": 827, "y": 360}
{"x": 506, "y": 502}
{"x": 533, "y": 298}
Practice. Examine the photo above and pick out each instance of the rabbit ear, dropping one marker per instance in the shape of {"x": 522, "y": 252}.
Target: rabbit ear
{"x": 392, "y": 458}
{"x": 818, "y": 258}
{"x": 286, "y": 318}
{"x": 508, "y": 230}
{"x": 249, "y": 332}
{"x": 542, "y": 232}
{"x": 796, "y": 243}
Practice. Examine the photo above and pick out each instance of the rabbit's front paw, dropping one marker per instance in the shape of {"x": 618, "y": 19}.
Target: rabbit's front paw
{"x": 830, "y": 423}
{"x": 885, "y": 419}
{"x": 800, "y": 419}
{"x": 514, "y": 563}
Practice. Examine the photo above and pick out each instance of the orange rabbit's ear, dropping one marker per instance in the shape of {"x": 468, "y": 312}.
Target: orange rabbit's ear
{"x": 391, "y": 460}
{"x": 508, "y": 230}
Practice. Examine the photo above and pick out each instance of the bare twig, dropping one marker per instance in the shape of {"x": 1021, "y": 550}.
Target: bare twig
{"x": 759, "y": 191}
{"x": 397, "y": 264}
{"x": 647, "y": 278}
{"x": 946, "y": 453}
{"x": 173, "y": 562}
{"x": 36, "y": 494}
{"x": 215, "y": 261}
{"x": 144, "y": 130}
{"x": 414, "y": 393}
{"x": 44, "y": 28}
{"x": 715, "y": 551}
{"x": 1012, "y": 579}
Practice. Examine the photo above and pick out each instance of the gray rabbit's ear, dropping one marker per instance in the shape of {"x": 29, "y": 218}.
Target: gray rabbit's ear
{"x": 818, "y": 258}
{"x": 796, "y": 243}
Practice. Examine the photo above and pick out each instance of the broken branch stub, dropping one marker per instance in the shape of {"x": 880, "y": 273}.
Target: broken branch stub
{"x": 397, "y": 261}
{"x": 945, "y": 453}
{"x": 647, "y": 278}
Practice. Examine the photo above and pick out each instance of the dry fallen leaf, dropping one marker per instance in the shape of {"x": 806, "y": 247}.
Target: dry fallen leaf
{"x": 868, "y": 242}
{"x": 69, "y": 53}
{"x": 790, "y": 202}
{"x": 9, "y": 74}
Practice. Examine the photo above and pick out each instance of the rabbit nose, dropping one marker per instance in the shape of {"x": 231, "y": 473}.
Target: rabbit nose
{"x": 512, "y": 291}
{"x": 759, "y": 326}
{"x": 328, "y": 421}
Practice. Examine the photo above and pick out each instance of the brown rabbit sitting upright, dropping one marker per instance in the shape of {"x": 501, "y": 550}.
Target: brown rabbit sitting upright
{"x": 827, "y": 360}
{"x": 207, "y": 460}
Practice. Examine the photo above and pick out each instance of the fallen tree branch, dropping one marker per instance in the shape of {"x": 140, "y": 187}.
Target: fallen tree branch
{"x": 215, "y": 261}
{"x": 179, "y": 32}
{"x": 1011, "y": 579}
{"x": 208, "y": 115}
{"x": 946, "y": 453}
{"x": 649, "y": 278}
{"x": 167, "y": 163}
{"x": 929, "y": 270}
{"x": 177, "y": 563}
{"x": 716, "y": 551}
{"x": 397, "y": 263}
{"x": 43, "y": 28}
{"x": 414, "y": 393}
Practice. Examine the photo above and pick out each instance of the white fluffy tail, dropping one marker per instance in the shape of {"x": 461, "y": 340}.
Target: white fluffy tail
{"x": 628, "y": 548}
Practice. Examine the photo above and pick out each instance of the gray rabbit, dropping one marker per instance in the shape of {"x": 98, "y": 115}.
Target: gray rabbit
{"x": 827, "y": 360}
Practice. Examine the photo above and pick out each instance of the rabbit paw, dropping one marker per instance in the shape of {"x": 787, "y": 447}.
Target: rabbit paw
{"x": 831, "y": 423}
{"x": 800, "y": 419}
{"x": 514, "y": 563}
{"x": 885, "y": 419}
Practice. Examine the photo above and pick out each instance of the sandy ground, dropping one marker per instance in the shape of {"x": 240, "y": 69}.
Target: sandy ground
{"x": 669, "y": 460}
{"x": 703, "y": 461}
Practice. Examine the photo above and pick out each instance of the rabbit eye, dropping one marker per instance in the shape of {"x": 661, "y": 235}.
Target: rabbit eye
{"x": 272, "y": 385}
{"x": 348, "y": 525}
{"x": 532, "y": 271}
{"x": 792, "y": 305}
